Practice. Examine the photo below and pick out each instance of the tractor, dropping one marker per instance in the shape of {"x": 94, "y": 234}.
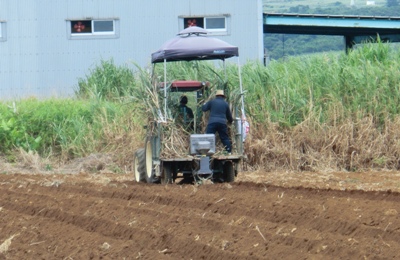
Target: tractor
{"x": 176, "y": 149}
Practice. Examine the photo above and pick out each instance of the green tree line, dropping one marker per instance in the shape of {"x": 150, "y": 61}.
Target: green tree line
{"x": 278, "y": 46}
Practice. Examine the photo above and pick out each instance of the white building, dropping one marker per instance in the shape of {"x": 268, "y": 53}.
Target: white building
{"x": 46, "y": 45}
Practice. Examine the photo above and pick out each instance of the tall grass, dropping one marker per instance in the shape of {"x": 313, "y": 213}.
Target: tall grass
{"x": 362, "y": 83}
{"x": 65, "y": 129}
{"x": 328, "y": 111}
{"x": 319, "y": 112}
{"x": 108, "y": 81}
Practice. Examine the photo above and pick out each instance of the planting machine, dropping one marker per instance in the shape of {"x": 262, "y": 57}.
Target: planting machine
{"x": 176, "y": 147}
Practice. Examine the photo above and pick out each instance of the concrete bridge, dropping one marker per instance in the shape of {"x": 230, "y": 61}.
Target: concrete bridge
{"x": 355, "y": 29}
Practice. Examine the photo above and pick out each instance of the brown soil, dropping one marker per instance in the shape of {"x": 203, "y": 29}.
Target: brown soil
{"x": 260, "y": 216}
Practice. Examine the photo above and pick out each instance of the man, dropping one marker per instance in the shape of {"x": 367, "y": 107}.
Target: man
{"x": 219, "y": 115}
{"x": 186, "y": 112}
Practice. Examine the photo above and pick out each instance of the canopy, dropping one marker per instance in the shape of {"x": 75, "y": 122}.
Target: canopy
{"x": 194, "y": 44}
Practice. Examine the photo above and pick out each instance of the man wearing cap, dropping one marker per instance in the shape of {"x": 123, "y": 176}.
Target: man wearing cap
{"x": 219, "y": 115}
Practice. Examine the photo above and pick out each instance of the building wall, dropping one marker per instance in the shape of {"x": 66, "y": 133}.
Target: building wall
{"x": 39, "y": 58}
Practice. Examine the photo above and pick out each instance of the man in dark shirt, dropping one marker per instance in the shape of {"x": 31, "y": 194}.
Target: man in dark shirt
{"x": 186, "y": 113}
{"x": 219, "y": 115}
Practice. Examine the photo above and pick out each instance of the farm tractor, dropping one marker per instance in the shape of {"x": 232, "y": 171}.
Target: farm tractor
{"x": 176, "y": 148}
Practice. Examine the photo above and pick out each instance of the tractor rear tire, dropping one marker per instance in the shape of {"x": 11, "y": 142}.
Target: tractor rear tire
{"x": 139, "y": 166}
{"x": 229, "y": 171}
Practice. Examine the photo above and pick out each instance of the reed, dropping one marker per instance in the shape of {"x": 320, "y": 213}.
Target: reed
{"x": 322, "y": 112}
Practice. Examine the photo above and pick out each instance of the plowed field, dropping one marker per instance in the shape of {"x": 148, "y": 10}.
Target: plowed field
{"x": 260, "y": 216}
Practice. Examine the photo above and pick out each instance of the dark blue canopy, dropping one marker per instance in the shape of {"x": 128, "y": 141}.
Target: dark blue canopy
{"x": 194, "y": 44}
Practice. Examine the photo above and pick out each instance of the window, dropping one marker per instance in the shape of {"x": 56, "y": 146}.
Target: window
{"x": 3, "y": 34}
{"x": 213, "y": 24}
{"x": 102, "y": 28}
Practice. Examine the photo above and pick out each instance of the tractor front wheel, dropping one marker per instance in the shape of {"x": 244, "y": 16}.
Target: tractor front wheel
{"x": 229, "y": 171}
{"x": 166, "y": 174}
{"x": 149, "y": 169}
{"x": 139, "y": 166}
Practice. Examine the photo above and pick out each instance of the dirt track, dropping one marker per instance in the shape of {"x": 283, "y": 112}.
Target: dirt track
{"x": 86, "y": 216}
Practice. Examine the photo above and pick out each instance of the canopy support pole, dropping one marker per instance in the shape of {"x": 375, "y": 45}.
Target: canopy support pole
{"x": 226, "y": 76}
{"x": 165, "y": 89}
{"x": 240, "y": 84}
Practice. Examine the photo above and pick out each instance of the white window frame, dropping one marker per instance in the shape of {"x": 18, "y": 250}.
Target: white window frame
{"x": 3, "y": 31}
{"x": 222, "y": 31}
{"x": 93, "y": 35}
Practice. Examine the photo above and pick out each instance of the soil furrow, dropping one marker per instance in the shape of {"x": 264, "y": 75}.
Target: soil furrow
{"x": 95, "y": 216}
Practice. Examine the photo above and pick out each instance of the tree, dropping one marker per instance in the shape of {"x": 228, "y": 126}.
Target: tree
{"x": 391, "y": 3}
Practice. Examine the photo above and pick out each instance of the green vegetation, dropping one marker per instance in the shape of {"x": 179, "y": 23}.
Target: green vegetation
{"x": 107, "y": 81}
{"x": 363, "y": 83}
{"x": 281, "y": 5}
{"x": 359, "y": 7}
{"x": 279, "y": 45}
{"x": 329, "y": 111}
{"x": 67, "y": 128}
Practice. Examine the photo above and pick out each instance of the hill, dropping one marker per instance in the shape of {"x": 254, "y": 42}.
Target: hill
{"x": 281, "y": 5}
{"x": 281, "y": 45}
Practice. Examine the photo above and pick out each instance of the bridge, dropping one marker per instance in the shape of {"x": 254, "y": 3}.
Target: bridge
{"x": 355, "y": 29}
